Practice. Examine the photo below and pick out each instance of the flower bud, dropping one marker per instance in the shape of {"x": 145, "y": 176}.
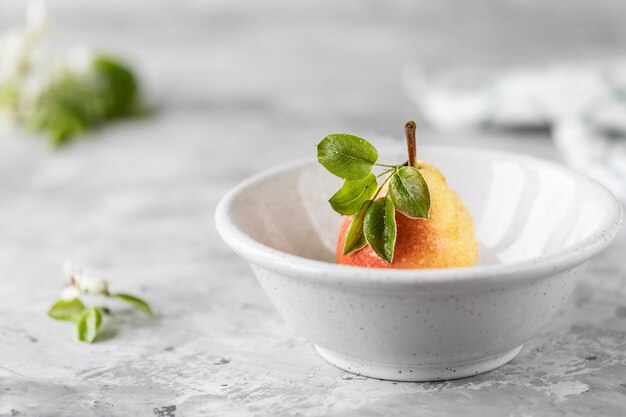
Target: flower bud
{"x": 70, "y": 293}
{"x": 92, "y": 285}
{"x": 70, "y": 272}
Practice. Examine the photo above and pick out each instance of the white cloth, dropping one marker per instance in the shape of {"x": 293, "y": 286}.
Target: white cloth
{"x": 584, "y": 105}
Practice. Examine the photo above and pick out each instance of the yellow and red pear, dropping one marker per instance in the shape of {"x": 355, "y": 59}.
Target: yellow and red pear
{"x": 446, "y": 239}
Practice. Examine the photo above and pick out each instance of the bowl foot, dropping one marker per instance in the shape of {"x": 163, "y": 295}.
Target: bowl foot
{"x": 417, "y": 373}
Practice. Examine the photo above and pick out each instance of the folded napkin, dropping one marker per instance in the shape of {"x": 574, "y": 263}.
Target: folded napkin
{"x": 583, "y": 105}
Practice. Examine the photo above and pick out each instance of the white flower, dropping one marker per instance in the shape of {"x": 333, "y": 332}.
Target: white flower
{"x": 69, "y": 293}
{"x": 71, "y": 272}
{"x": 81, "y": 282}
{"x": 12, "y": 51}
{"x": 17, "y": 45}
{"x": 92, "y": 285}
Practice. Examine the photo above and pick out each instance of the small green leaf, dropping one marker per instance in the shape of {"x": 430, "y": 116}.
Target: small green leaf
{"x": 355, "y": 238}
{"x": 409, "y": 192}
{"x": 352, "y": 194}
{"x": 68, "y": 107}
{"x": 88, "y": 325}
{"x": 136, "y": 302}
{"x": 347, "y": 156}
{"x": 67, "y": 310}
{"x": 379, "y": 227}
{"x": 119, "y": 86}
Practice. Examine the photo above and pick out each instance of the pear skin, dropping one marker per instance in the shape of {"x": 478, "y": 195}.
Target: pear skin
{"x": 445, "y": 240}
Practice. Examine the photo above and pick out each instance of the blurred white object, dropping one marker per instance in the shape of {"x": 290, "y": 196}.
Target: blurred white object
{"x": 70, "y": 293}
{"x": 22, "y": 77}
{"x": 583, "y": 104}
{"x": 80, "y": 282}
{"x": 71, "y": 271}
{"x": 29, "y": 64}
{"x": 17, "y": 44}
{"x": 92, "y": 285}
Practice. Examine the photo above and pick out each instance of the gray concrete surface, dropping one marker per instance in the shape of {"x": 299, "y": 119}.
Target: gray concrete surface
{"x": 239, "y": 87}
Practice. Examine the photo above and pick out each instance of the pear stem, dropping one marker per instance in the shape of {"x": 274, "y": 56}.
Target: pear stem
{"x": 409, "y": 131}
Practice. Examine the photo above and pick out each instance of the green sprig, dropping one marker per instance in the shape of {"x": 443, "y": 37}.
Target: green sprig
{"x": 73, "y": 104}
{"x": 353, "y": 158}
{"x": 88, "y": 320}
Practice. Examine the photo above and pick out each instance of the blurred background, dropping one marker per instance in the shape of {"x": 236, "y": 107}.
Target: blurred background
{"x": 287, "y": 74}
{"x": 236, "y": 87}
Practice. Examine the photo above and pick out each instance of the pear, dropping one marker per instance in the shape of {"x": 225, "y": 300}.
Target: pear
{"x": 446, "y": 239}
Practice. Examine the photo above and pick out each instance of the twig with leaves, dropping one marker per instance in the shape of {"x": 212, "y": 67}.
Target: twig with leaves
{"x": 61, "y": 101}
{"x": 353, "y": 158}
{"x": 88, "y": 319}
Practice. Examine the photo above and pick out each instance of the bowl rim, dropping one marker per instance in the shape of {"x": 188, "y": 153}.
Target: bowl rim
{"x": 321, "y": 271}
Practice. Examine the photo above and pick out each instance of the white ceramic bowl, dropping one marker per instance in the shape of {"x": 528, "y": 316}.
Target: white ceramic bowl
{"x": 537, "y": 222}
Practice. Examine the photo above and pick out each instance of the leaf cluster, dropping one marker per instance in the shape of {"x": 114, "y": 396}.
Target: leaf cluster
{"x": 74, "y": 104}
{"x": 89, "y": 319}
{"x": 353, "y": 158}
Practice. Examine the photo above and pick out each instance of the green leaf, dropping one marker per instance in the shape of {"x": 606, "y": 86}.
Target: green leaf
{"x": 68, "y": 107}
{"x": 74, "y": 104}
{"x": 88, "y": 325}
{"x": 347, "y": 156}
{"x": 379, "y": 227}
{"x": 409, "y": 192}
{"x": 119, "y": 86}
{"x": 67, "y": 310}
{"x": 136, "y": 302}
{"x": 355, "y": 238}
{"x": 352, "y": 194}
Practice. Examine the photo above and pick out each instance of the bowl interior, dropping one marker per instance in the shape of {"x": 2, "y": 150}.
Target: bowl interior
{"x": 523, "y": 208}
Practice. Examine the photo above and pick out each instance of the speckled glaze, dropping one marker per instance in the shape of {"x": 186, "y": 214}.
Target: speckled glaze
{"x": 537, "y": 223}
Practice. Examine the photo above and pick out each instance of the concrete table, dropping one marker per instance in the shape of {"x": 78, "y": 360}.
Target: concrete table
{"x": 240, "y": 87}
